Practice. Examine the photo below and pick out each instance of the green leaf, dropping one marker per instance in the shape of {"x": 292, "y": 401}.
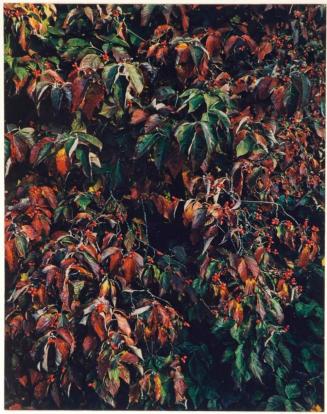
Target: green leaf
{"x": 145, "y": 143}
{"x": 184, "y": 134}
{"x": 77, "y": 42}
{"x": 91, "y": 139}
{"x": 83, "y": 201}
{"x": 21, "y": 245}
{"x": 292, "y": 391}
{"x": 161, "y": 151}
{"x": 91, "y": 61}
{"x": 275, "y": 403}
{"x": 286, "y": 354}
{"x": 109, "y": 74}
{"x": 196, "y": 53}
{"x": 113, "y": 39}
{"x": 21, "y": 73}
{"x": 255, "y": 366}
{"x": 135, "y": 77}
{"x": 195, "y": 103}
{"x": 244, "y": 147}
{"x": 209, "y": 136}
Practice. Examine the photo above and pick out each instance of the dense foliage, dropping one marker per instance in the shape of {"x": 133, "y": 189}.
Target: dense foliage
{"x": 164, "y": 206}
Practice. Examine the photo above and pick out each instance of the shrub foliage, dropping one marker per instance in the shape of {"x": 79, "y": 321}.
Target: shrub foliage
{"x": 164, "y": 206}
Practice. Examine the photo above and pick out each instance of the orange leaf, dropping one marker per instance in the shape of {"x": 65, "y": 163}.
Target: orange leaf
{"x": 62, "y": 162}
{"x": 11, "y": 255}
{"x": 157, "y": 387}
{"x": 139, "y": 116}
{"x": 305, "y": 256}
{"x": 238, "y": 313}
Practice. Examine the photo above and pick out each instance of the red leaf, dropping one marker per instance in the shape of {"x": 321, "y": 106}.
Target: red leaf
{"x": 97, "y": 323}
{"x": 259, "y": 253}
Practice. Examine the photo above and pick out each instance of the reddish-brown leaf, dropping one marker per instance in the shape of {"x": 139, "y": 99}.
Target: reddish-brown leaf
{"x": 78, "y": 89}
{"x": 92, "y": 99}
{"x": 22, "y": 36}
{"x": 37, "y": 148}
{"x": 264, "y": 49}
{"x": 123, "y": 324}
{"x": 242, "y": 270}
{"x": 97, "y": 323}
{"x": 129, "y": 358}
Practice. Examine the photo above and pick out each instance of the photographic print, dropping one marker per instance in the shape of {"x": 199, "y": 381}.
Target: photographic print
{"x": 164, "y": 206}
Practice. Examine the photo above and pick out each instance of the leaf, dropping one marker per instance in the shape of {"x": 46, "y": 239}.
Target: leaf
{"x": 244, "y": 147}
{"x": 129, "y": 358}
{"x": 123, "y": 324}
{"x": 62, "y": 162}
{"x": 139, "y": 116}
{"x": 97, "y": 323}
{"x": 242, "y": 270}
{"x": 135, "y": 77}
{"x": 79, "y": 87}
{"x": 209, "y": 137}
{"x": 93, "y": 98}
{"x": 264, "y": 49}
{"x": 91, "y": 139}
{"x": 109, "y": 74}
{"x": 145, "y": 143}
{"x": 184, "y": 134}
{"x": 275, "y": 403}
{"x": 91, "y": 61}
{"x": 11, "y": 255}
{"x": 255, "y": 366}
{"x": 157, "y": 387}
{"x": 305, "y": 256}
{"x": 22, "y": 36}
